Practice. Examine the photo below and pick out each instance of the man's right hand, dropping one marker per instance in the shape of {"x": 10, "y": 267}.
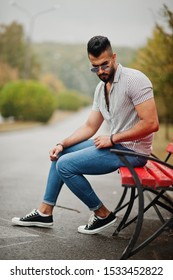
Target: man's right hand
{"x": 54, "y": 152}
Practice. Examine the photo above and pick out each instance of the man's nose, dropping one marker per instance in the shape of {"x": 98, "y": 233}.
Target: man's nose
{"x": 100, "y": 70}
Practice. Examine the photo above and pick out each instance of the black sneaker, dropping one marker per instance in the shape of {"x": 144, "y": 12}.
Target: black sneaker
{"x": 96, "y": 225}
{"x": 34, "y": 219}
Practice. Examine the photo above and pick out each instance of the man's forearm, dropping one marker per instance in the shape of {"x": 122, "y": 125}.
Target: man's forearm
{"x": 140, "y": 130}
{"x": 81, "y": 134}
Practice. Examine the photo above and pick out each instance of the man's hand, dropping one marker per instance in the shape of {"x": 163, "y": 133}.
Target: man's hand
{"x": 102, "y": 141}
{"x": 54, "y": 152}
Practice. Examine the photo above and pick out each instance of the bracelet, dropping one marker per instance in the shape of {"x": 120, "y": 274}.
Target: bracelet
{"x": 60, "y": 145}
{"x": 112, "y": 139}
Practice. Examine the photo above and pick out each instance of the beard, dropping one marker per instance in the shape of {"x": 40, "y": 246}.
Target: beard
{"x": 106, "y": 77}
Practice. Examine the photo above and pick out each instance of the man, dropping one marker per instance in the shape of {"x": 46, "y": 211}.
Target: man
{"x": 124, "y": 98}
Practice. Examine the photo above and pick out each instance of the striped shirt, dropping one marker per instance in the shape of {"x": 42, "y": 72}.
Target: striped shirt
{"x": 129, "y": 88}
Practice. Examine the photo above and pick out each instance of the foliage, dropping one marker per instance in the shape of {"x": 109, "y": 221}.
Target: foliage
{"x": 52, "y": 82}
{"x": 66, "y": 63}
{"x": 69, "y": 63}
{"x": 156, "y": 60}
{"x": 14, "y": 50}
{"x": 160, "y": 142}
{"x": 71, "y": 100}
{"x": 27, "y": 100}
{"x": 12, "y": 45}
{"x": 7, "y": 74}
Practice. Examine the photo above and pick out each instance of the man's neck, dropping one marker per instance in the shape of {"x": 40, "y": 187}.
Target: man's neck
{"x": 108, "y": 84}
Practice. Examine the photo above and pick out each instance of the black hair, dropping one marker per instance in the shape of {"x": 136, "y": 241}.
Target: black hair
{"x": 97, "y": 45}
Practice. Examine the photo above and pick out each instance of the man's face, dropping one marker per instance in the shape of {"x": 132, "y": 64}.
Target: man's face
{"x": 103, "y": 66}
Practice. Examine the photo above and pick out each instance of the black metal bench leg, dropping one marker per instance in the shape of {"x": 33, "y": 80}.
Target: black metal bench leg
{"x": 139, "y": 222}
{"x": 120, "y": 201}
{"x": 127, "y": 213}
{"x": 151, "y": 204}
{"x": 132, "y": 247}
{"x": 152, "y": 237}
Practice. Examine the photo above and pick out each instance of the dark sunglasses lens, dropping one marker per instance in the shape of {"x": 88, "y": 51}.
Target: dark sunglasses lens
{"x": 104, "y": 67}
{"x": 94, "y": 69}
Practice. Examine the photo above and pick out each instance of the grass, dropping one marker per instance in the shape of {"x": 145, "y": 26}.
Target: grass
{"x": 160, "y": 142}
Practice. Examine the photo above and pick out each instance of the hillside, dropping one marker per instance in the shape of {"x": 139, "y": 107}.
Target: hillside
{"x": 69, "y": 63}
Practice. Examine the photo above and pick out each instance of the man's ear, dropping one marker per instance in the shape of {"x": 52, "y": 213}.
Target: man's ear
{"x": 114, "y": 56}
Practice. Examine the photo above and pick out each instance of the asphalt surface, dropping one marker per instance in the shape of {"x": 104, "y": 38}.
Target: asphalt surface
{"x": 24, "y": 165}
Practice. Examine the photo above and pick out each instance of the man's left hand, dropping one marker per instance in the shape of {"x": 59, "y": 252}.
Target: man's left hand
{"x": 102, "y": 141}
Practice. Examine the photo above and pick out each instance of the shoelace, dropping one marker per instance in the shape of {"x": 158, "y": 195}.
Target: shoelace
{"x": 92, "y": 220}
{"x": 31, "y": 214}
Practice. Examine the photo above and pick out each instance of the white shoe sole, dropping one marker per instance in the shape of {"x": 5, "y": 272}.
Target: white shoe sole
{"x": 81, "y": 229}
{"x": 17, "y": 222}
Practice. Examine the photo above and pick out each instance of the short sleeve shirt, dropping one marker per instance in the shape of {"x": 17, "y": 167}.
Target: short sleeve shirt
{"x": 129, "y": 88}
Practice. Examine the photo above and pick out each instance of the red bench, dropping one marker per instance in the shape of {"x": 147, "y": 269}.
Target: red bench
{"x": 155, "y": 178}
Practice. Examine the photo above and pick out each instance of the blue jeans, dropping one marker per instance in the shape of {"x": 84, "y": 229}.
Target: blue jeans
{"x": 76, "y": 161}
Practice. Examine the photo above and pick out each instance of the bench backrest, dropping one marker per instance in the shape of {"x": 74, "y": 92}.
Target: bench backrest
{"x": 169, "y": 148}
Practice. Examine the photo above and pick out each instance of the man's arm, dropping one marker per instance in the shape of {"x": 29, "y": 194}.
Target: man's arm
{"x": 87, "y": 130}
{"x": 148, "y": 123}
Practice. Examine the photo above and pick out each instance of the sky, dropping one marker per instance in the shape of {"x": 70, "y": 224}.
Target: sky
{"x": 124, "y": 22}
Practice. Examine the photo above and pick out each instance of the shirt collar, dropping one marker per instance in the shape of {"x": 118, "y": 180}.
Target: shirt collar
{"x": 118, "y": 73}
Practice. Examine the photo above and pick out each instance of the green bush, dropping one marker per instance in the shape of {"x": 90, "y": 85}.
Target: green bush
{"x": 71, "y": 100}
{"x": 27, "y": 100}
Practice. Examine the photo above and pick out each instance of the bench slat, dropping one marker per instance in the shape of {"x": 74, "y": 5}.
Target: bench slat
{"x": 145, "y": 178}
{"x": 152, "y": 175}
{"x": 166, "y": 170}
{"x": 162, "y": 179}
{"x": 126, "y": 176}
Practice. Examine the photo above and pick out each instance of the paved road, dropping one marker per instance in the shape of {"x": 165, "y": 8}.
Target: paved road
{"x": 24, "y": 165}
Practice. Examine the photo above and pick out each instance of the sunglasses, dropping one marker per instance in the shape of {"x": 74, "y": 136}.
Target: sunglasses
{"x": 103, "y": 67}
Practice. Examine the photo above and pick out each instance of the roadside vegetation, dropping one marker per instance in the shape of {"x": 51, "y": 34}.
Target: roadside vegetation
{"x": 160, "y": 142}
{"x": 37, "y": 81}
{"x": 32, "y": 101}
{"x": 156, "y": 61}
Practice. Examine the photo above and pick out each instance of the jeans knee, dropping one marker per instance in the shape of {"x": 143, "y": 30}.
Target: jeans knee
{"x": 61, "y": 166}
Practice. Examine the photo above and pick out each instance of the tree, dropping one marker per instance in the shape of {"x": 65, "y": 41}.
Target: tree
{"x": 12, "y": 45}
{"x": 52, "y": 82}
{"x": 156, "y": 60}
{"x": 13, "y": 49}
{"x": 7, "y": 74}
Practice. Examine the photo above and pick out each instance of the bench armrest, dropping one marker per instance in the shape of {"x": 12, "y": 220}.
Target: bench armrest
{"x": 124, "y": 153}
